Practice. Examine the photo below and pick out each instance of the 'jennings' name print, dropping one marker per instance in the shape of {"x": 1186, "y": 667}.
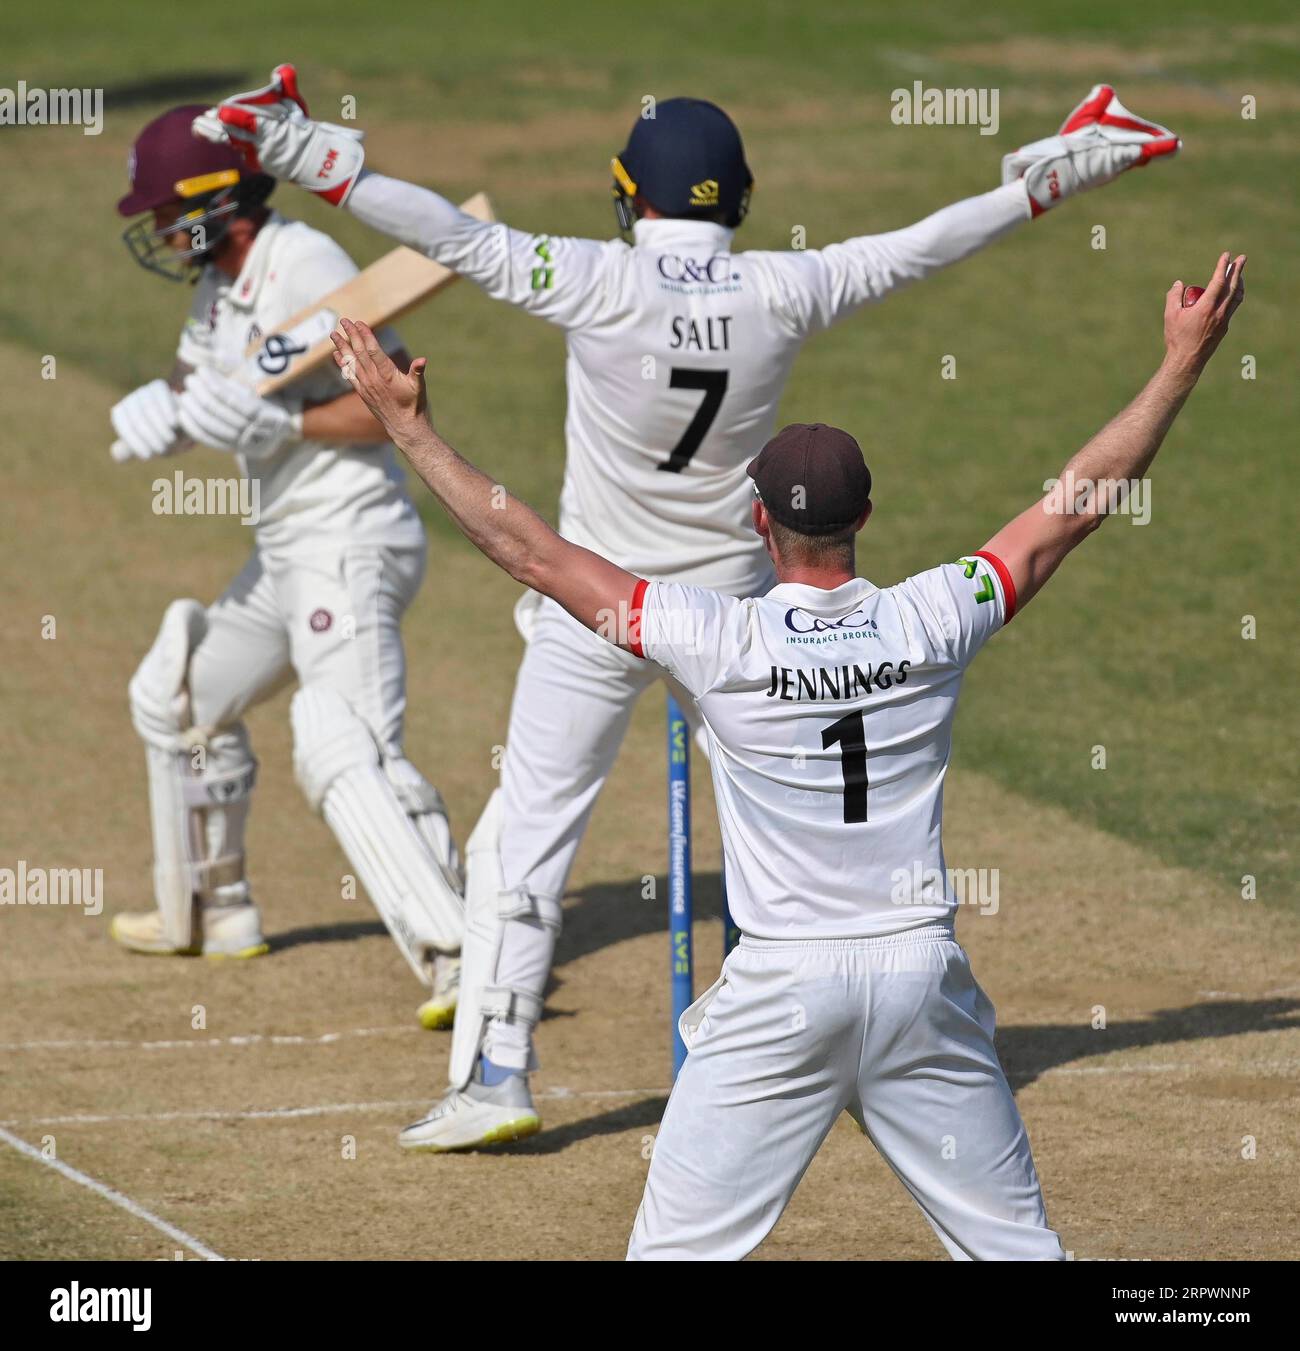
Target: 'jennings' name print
{"x": 834, "y": 682}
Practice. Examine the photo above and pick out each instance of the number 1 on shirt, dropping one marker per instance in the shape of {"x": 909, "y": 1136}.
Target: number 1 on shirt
{"x": 850, "y": 735}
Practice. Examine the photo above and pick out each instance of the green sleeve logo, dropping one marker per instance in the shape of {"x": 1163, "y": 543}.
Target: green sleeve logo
{"x": 969, "y": 566}
{"x": 545, "y": 275}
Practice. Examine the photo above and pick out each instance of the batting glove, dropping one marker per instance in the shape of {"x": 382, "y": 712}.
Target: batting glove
{"x": 272, "y": 131}
{"x": 227, "y": 415}
{"x": 1097, "y": 142}
{"x": 146, "y": 423}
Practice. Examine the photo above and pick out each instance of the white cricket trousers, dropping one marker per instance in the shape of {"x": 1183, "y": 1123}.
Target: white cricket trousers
{"x": 894, "y": 1029}
{"x": 331, "y": 615}
{"x": 574, "y": 699}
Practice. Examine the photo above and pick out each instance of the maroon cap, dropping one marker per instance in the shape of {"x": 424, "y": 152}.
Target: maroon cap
{"x": 812, "y": 478}
{"x": 168, "y": 162}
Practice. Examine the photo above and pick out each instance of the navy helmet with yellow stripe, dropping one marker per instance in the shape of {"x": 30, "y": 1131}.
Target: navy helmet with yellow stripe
{"x": 684, "y": 158}
{"x": 183, "y": 185}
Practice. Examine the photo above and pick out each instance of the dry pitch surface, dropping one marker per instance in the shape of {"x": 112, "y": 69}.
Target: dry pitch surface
{"x": 1170, "y": 1133}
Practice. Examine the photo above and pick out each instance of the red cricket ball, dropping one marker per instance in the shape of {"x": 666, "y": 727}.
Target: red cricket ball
{"x": 1191, "y": 295}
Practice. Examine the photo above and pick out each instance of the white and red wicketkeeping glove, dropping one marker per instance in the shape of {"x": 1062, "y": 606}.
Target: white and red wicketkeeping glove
{"x": 1097, "y": 142}
{"x": 272, "y": 131}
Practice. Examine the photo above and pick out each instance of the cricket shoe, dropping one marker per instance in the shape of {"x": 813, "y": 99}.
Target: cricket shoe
{"x": 439, "y": 1010}
{"x": 475, "y": 1117}
{"x": 221, "y": 931}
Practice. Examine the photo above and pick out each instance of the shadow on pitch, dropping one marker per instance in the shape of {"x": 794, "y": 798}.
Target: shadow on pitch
{"x": 606, "y": 913}
{"x": 344, "y": 931}
{"x": 595, "y": 917}
{"x": 200, "y": 86}
{"x": 1028, "y": 1052}
{"x": 643, "y": 1115}
{"x": 600, "y": 916}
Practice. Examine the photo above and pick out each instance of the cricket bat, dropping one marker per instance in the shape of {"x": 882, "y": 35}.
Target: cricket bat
{"x": 383, "y": 292}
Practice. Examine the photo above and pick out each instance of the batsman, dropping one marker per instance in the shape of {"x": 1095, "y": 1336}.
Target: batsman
{"x": 339, "y": 555}
{"x": 679, "y": 349}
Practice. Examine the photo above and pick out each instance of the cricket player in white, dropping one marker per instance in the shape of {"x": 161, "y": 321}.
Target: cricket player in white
{"x": 678, "y": 352}
{"x": 340, "y": 553}
{"x": 828, "y": 707}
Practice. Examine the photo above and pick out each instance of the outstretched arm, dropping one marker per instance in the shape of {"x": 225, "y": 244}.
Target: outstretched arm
{"x": 1033, "y": 545}
{"x": 1097, "y": 142}
{"x": 556, "y": 278}
{"x": 821, "y": 286}
{"x": 421, "y": 219}
{"x": 593, "y": 590}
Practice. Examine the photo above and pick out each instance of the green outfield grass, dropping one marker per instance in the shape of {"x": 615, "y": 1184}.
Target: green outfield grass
{"x": 1137, "y": 646}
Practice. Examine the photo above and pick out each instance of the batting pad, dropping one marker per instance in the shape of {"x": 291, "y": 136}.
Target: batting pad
{"x": 159, "y": 710}
{"x": 338, "y": 766}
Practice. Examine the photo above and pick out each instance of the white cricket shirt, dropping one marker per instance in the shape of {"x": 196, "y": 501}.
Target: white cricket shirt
{"x": 310, "y": 490}
{"x": 678, "y": 352}
{"x": 829, "y": 717}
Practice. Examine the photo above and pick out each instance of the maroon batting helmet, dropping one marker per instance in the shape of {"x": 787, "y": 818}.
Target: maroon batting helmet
{"x": 169, "y": 164}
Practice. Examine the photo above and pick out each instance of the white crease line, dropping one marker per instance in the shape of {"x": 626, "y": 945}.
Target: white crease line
{"x": 1235, "y": 994}
{"x": 320, "y": 1109}
{"x": 116, "y": 1197}
{"x": 1117, "y": 1069}
{"x": 186, "y": 1043}
{"x": 261, "y": 1114}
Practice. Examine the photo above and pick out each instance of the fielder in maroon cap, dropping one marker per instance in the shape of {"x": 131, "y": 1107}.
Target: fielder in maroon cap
{"x": 813, "y": 480}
